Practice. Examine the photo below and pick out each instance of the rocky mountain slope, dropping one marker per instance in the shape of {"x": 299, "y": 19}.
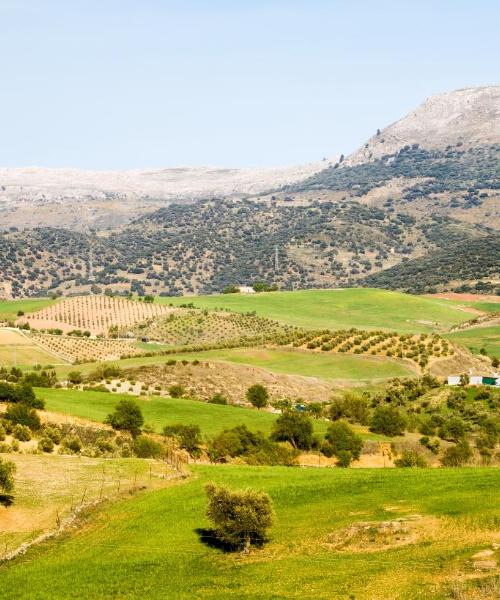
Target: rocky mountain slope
{"x": 73, "y": 198}
{"x": 419, "y": 212}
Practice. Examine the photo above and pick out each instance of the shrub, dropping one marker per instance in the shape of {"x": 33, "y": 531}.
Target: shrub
{"x": 52, "y": 433}
{"x": 145, "y": 447}
{"x": 453, "y": 429}
{"x": 7, "y": 470}
{"x": 344, "y": 459}
{"x": 188, "y": 437}
{"x": 75, "y": 377}
{"x": 2, "y": 433}
{"x": 20, "y": 414}
{"x": 387, "y": 421}
{"x": 127, "y": 416}
{"x": 294, "y": 427}
{"x": 22, "y": 433}
{"x": 176, "y": 391}
{"x": 351, "y": 407}
{"x": 341, "y": 441}
{"x": 458, "y": 455}
{"x": 46, "y": 445}
{"x": 411, "y": 458}
{"x": 72, "y": 443}
{"x": 257, "y": 395}
{"x": 240, "y": 518}
{"x": 218, "y": 399}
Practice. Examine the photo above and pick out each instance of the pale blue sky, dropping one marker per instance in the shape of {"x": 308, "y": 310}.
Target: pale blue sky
{"x": 111, "y": 84}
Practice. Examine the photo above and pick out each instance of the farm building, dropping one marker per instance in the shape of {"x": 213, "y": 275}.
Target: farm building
{"x": 476, "y": 380}
{"x": 246, "y": 289}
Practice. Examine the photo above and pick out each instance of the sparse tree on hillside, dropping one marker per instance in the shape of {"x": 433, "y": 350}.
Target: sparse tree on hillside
{"x": 257, "y": 395}
{"x": 127, "y": 416}
{"x": 7, "y": 470}
{"x": 294, "y": 427}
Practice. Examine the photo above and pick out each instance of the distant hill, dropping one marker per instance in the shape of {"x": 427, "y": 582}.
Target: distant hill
{"x": 416, "y": 208}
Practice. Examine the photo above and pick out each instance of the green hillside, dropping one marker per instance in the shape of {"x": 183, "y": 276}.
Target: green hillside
{"x": 10, "y": 308}
{"x": 478, "y": 337}
{"x": 150, "y": 546}
{"x": 340, "y": 308}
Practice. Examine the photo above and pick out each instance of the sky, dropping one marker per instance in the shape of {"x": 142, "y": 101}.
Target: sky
{"x": 122, "y": 84}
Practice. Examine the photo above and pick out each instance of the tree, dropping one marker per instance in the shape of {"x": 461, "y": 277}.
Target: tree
{"x": 21, "y": 414}
{"x": 411, "y": 458}
{"x": 341, "y": 441}
{"x": 188, "y": 436}
{"x": 495, "y": 362}
{"x": 7, "y": 470}
{"x": 352, "y": 407}
{"x": 176, "y": 391}
{"x": 257, "y": 395}
{"x": 294, "y": 427}
{"x": 126, "y": 416}
{"x": 240, "y": 517}
{"x": 387, "y": 421}
{"x": 75, "y": 377}
{"x": 458, "y": 455}
{"x": 464, "y": 379}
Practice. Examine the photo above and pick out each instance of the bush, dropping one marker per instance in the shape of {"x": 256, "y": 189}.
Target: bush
{"x": 387, "y": 421}
{"x": 411, "y": 458}
{"x": 176, "y": 391}
{"x": 351, "y": 407}
{"x": 7, "y": 470}
{"x": 458, "y": 455}
{"x": 344, "y": 459}
{"x": 127, "y": 416}
{"x": 22, "y": 433}
{"x": 46, "y": 445}
{"x": 145, "y": 447}
{"x": 453, "y": 429}
{"x": 75, "y": 377}
{"x": 20, "y": 414}
{"x": 294, "y": 427}
{"x": 72, "y": 443}
{"x": 341, "y": 441}
{"x": 218, "y": 399}
{"x": 52, "y": 433}
{"x": 257, "y": 395}
{"x": 240, "y": 518}
{"x": 2, "y": 433}
{"x": 188, "y": 437}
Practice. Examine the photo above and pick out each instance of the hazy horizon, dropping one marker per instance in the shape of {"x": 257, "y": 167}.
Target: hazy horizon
{"x": 117, "y": 85}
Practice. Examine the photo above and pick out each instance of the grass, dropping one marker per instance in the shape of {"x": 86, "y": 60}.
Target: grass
{"x": 477, "y": 338}
{"x": 309, "y": 364}
{"x": 158, "y": 412}
{"x": 10, "y": 308}
{"x": 149, "y": 547}
{"x": 50, "y": 486}
{"x": 17, "y": 350}
{"x": 341, "y": 308}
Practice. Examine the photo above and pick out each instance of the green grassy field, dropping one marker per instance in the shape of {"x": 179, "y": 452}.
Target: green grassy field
{"x": 477, "y": 338}
{"x": 10, "y": 308}
{"x": 149, "y": 546}
{"x": 324, "y": 366}
{"x": 158, "y": 412}
{"x": 341, "y": 308}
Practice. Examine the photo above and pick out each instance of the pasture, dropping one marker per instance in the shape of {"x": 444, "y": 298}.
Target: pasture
{"x": 476, "y": 338}
{"x": 340, "y": 308}
{"x": 50, "y": 487}
{"x": 19, "y": 350}
{"x": 329, "y": 366}
{"x": 10, "y": 308}
{"x": 152, "y": 545}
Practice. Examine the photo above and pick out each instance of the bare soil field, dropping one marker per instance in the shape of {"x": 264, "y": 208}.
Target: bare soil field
{"x": 466, "y": 297}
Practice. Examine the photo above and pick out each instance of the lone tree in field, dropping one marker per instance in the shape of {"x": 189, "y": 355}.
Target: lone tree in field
{"x": 7, "y": 470}
{"x": 240, "y": 517}
{"x": 257, "y": 395}
{"x": 127, "y": 416}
